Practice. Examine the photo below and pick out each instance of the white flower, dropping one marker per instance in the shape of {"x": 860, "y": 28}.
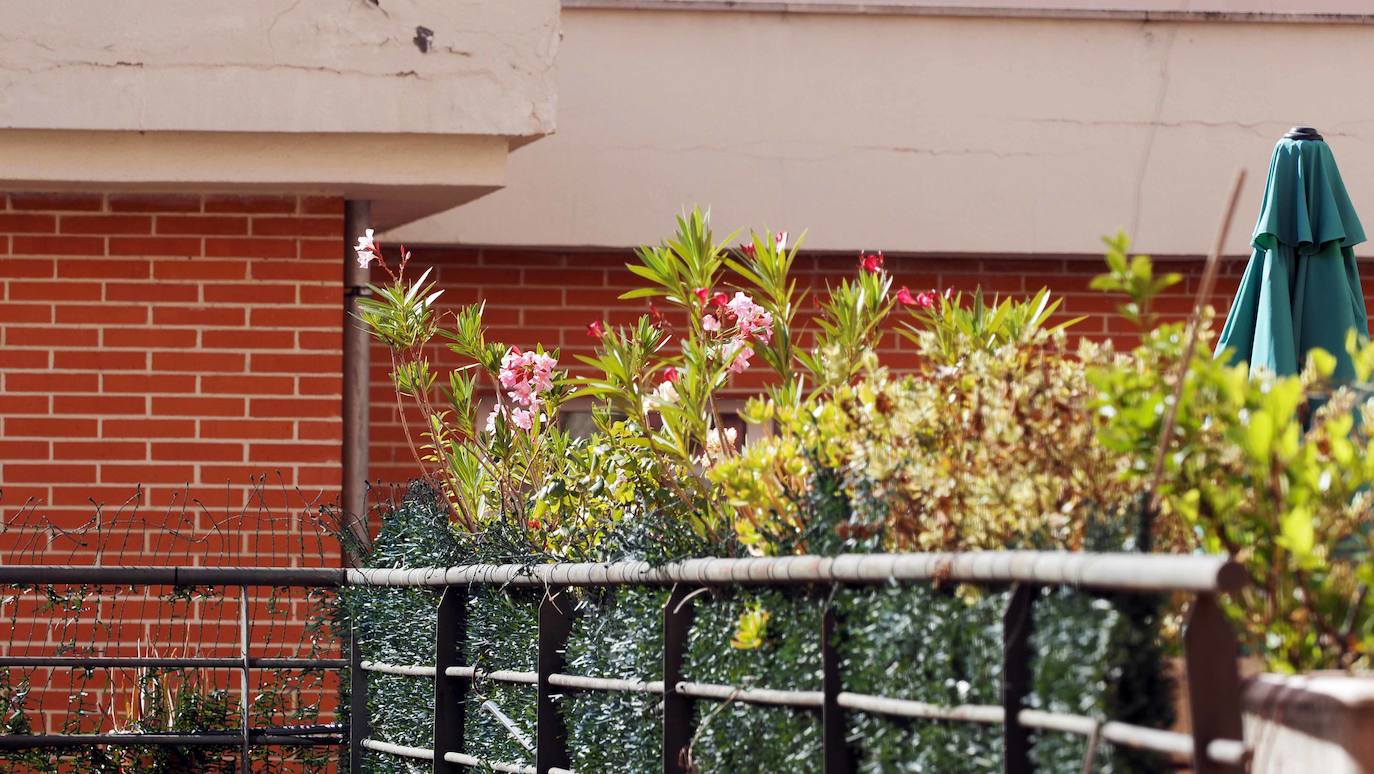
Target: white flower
{"x": 365, "y": 249}
{"x": 666, "y": 392}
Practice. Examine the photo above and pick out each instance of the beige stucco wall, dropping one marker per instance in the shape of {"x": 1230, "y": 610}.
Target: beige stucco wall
{"x": 329, "y": 96}
{"x": 279, "y": 65}
{"x": 920, "y": 133}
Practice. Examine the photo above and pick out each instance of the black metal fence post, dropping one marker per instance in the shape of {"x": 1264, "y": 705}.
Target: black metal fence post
{"x": 246, "y": 764}
{"x": 838, "y": 757}
{"x": 450, "y": 693}
{"x": 1210, "y": 651}
{"x": 551, "y": 737}
{"x": 677, "y": 709}
{"x": 1017, "y": 624}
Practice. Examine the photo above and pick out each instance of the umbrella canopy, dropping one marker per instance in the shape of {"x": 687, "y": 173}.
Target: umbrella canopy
{"x": 1301, "y": 289}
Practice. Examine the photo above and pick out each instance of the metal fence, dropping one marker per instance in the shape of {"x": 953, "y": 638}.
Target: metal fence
{"x": 1213, "y": 746}
{"x": 245, "y": 737}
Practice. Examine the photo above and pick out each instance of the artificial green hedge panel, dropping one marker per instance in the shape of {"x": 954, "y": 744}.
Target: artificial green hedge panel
{"x": 941, "y": 645}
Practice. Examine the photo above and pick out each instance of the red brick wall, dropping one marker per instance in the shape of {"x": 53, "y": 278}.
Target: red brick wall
{"x": 184, "y": 342}
{"x": 549, "y": 296}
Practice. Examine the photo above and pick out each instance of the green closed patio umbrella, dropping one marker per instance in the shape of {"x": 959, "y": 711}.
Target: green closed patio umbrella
{"x": 1301, "y": 289}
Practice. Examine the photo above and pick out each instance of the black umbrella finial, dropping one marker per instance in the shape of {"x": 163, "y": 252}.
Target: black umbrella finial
{"x": 1303, "y": 133}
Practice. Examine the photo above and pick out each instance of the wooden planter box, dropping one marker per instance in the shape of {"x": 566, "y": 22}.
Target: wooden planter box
{"x": 1321, "y": 723}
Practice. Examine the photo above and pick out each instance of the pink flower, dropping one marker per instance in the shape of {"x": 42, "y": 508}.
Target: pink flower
{"x": 747, "y": 248}
{"x": 596, "y": 330}
{"x": 701, "y": 294}
{"x": 750, "y": 318}
{"x": 522, "y": 418}
{"x": 904, "y": 296}
{"x": 871, "y": 262}
{"x": 738, "y": 353}
{"x": 710, "y": 323}
{"x": 720, "y": 299}
{"x": 670, "y": 374}
{"x": 927, "y": 299}
{"x": 524, "y": 375}
{"x": 780, "y": 240}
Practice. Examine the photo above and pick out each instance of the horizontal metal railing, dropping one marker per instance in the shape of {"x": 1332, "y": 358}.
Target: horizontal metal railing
{"x": 244, "y": 737}
{"x": 1108, "y": 572}
{"x": 1214, "y": 746}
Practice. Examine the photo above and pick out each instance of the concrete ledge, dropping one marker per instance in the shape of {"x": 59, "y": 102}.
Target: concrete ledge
{"x": 1302, "y": 724}
{"x": 407, "y": 176}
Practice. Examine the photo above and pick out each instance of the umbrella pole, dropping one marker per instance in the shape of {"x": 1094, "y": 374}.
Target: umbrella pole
{"x": 1204, "y": 292}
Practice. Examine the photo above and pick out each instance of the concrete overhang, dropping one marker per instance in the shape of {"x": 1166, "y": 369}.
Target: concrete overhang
{"x": 412, "y": 103}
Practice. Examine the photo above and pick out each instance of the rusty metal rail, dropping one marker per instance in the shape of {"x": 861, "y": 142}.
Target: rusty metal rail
{"x": 1215, "y": 746}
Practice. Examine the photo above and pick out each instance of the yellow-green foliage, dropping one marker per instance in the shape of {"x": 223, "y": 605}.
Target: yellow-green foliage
{"x": 1246, "y": 478}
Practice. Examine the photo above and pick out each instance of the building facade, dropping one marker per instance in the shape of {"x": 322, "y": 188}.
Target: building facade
{"x": 173, "y": 244}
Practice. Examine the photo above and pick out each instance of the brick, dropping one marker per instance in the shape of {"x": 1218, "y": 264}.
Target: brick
{"x": 104, "y": 404}
{"x": 51, "y": 337}
{"x": 293, "y": 363}
{"x": 264, "y": 317}
{"x": 317, "y": 340}
{"x": 294, "y": 407}
{"x": 27, "y": 223}
{"x": 25, "y": 313}
{"x": 187, "y": 450}
{"x": 247, "y": 429}
{"x": 298, "y": 226}
{"x": 248, "y": 339}
{"x": 319, "y": 385}
{"x": 197, "y": 315}
{"x": 302, "y": 271}
{"x": 49, "y": 427}
{"x": 294, "y": 452}
{"x": 246, "y": 384}
{"x": 106, "y": 224}
{"x": 201, "y": 270}
{"x": 250, "y": 248}
{"x": 322, "y": 249}
{"x": 13, "y": 404}
{"x": 146, "y": 474}
{"x": 29, "y": 268}
{"x": 249, "y": 203}
{"x": 57, "y": 245}
{"x": 103, "y": 314}
{"x": 145, "y": 428}
{"x": 148, "y": 384}
{"x": 55, "y": 291}
{"x": 176, "y": 246}
{"x": 40, "y": 472}
{"x": 322, "y": 295}
{"x": 202, "y": 224}
{"x": 255, "y": 293}
{"x": 199, "y": 406}
{"x": 319, "y": 431}
{"x": 154, "y": 203}
{"x": 96, "y": 268}
{"x": 97, "y": 451}
{"x": 99, "y": 360}
{"x": 199, "y": 362}
{"x": 150, "y": 338}
{"x": 159, "y": 292}
{"x": 27, "y": 359}
{"x": 57, "y": 201}
{"x": 24, "y": 451}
